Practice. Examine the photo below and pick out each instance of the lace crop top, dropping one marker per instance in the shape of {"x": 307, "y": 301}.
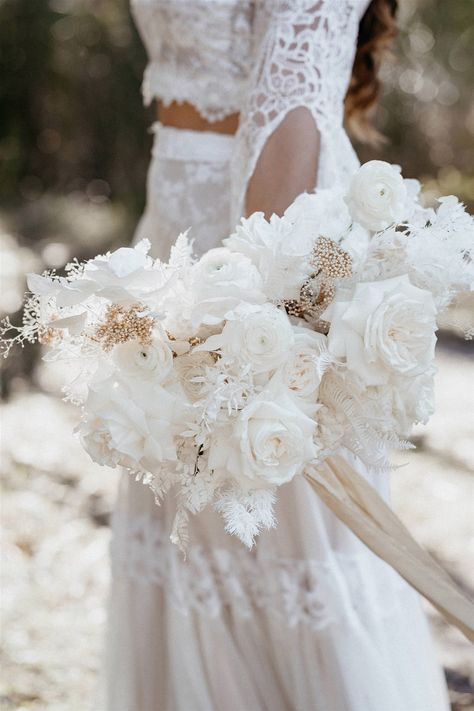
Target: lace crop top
{"x": 261, "y": 58}
{"x": 199, "y": 51}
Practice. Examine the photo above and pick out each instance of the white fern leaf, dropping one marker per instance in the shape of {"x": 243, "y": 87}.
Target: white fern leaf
{"x": 181, "y": 254}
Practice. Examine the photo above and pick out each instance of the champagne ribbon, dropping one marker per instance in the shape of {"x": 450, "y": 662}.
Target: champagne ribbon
{"x": 357, "y": 504}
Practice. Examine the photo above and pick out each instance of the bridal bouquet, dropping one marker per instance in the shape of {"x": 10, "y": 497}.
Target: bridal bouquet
{"x": 302, "y": 337}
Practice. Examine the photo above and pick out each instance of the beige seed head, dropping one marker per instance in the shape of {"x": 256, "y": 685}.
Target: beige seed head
{"x": 124, "y": 324}
{"x": 331, "y": 260}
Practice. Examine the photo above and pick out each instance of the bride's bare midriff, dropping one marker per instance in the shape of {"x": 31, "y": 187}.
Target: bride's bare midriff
{"x": 188, "y": 117}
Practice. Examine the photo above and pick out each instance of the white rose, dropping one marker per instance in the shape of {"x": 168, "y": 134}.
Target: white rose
{"x": 147, "y": 362}
{"x": 277, "y": 249}
{"x": 302, "y": 373}
{"x": 138, "y": 423}
{"x": 220, "y": 280}
{"x": 377, "y": 196}
{"x": 258, "y": 335}
{"x": 271, "y": 441}
{"x": 191, "y": 370}
{"x": 386, "y": 327}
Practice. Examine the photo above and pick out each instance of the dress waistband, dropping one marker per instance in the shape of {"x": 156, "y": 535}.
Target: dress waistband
{"x": 184, "y": 145}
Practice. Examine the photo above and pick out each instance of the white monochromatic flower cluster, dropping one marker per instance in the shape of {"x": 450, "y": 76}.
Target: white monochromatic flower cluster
{"x": 207, "y": 377}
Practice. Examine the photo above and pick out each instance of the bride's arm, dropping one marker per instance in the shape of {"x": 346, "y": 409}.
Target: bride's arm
{"x": 287, "y": 165}
{"x": 281, "y": 128}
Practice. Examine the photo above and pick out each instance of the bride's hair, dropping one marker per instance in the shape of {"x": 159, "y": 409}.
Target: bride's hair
{"x": 376, "y": 32}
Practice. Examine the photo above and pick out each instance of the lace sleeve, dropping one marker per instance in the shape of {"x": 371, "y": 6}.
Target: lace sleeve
{"x": 304, "y": 51}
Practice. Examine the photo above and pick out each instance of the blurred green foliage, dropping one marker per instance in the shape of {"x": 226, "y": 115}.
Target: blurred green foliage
{"x": 71, "y": 115}
{"x": 427, "y": 112}
{"x": 72, "y": 120}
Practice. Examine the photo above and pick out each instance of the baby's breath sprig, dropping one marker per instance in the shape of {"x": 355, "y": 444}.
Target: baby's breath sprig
{"x": 29, "y": 331}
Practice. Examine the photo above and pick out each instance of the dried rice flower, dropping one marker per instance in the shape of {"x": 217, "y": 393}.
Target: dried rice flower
{"x": 330, "y": 259}
{"x": 124, "y": 324}
{"x": 331, "y": 263}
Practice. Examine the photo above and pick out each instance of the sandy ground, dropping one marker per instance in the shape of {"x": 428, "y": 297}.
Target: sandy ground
{"x": 55, "y": 511}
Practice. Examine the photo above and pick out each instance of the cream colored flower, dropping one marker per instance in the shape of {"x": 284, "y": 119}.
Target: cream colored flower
{"x": 387, "y": 327}
{"x": 137, "y": 422}
{"x": 191, "y": 371}
{"x": 271, "y": 441}
{"x": 301, "y": 372}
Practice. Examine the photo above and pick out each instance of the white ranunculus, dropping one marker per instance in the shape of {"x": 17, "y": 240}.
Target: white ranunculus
{"x": 301, "y": 373}
{"x": 220, "y": 280}
{"x": 277, "y": 249}
{"x": 387, "y": 327}
{"x": 191, "y": 370}
{"x": 377, "y": 196}
{"x": 259, "y": 336}
{"x": 271, "y": 441}
{"x": 146, "y": 362}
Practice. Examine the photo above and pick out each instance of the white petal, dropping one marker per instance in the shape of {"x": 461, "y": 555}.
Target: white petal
{"x": 44, "y": 286}
{"x": 74, "y": 324}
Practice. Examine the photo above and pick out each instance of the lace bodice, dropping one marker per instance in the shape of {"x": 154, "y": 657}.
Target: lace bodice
{"x": 304, "y": 52}
{"x": 262, "y": 58}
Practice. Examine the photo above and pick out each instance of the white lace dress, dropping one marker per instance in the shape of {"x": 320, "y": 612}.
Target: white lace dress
{"x": 310, "y": 619}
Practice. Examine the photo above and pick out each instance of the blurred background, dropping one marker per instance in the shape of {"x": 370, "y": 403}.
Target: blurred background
{"x": 74, "y": 149}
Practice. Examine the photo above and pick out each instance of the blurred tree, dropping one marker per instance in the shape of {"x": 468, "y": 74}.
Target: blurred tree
{"x": 71, "y": 115}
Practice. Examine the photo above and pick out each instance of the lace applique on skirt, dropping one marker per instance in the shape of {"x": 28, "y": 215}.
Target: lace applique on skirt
{"x": 309, "y": 592}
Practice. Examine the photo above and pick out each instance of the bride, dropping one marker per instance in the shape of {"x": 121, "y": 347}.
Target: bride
{"x": 252, "y": 96}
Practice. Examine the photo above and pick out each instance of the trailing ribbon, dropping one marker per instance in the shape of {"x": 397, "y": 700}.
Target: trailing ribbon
{"x": 357, "y": 504}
